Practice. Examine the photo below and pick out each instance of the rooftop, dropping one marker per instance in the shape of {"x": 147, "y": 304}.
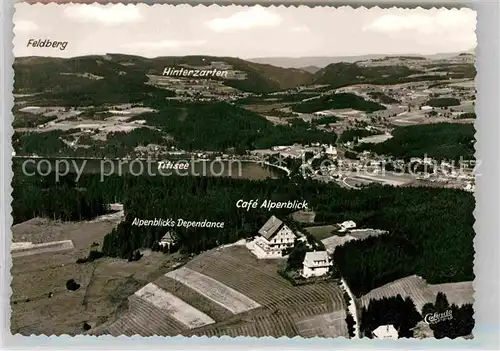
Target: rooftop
{"x": 168, "y": 237}
{"x": 316, "y": 256}
{"x": 386, "y": 332}
{"x": 270, "y": 227}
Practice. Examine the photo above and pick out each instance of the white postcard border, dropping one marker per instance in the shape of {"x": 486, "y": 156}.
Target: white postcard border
{"x": 486, "y": 212}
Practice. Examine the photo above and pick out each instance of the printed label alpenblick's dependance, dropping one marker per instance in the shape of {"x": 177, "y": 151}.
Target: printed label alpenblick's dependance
{"x": 169, "y": 222}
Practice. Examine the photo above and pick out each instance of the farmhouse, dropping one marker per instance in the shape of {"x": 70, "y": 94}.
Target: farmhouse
{"x": 316, "y": 264}
{"x": 275, "y": 236}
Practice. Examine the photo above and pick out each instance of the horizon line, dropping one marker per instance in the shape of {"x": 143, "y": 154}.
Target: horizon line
{"x": 469, "y": 51}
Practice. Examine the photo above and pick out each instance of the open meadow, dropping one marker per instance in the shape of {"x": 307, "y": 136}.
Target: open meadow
{"x": 245, "y": 296}
{"x": 321, "y": 232}
{"x": 41, "y": 302}
{"x": 421, "y": 292}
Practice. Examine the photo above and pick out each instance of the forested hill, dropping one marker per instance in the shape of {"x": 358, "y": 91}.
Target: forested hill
{"x": 261, "y": 78}
{"x": 36, "y": 74}
{"x": 344, "y": 74}
{"x": 217, "y": 126}
{"x": 82, "y": 81}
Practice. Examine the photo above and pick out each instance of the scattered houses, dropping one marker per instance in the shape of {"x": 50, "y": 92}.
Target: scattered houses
{"x": 316, "y": 264}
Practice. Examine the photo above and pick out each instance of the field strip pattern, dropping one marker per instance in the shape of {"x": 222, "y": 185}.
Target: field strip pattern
{"x": 282, "y": 305}
{"x": 275, "y": 325}
{"x": 143, "y": 318}
{"x": 214, "y": 290}
{"x": 413, "y": 286}
{"x": 174, "y": 307}
{"x": 265, "y": 287}
{"x": 328, "y": 325}
{"x": 198, "y": 301}
{"x": 268, "y": 323}
{"x": 238, "y": 269}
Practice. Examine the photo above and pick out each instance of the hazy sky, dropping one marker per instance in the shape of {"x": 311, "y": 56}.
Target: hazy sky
{"x": 246, "y": 32}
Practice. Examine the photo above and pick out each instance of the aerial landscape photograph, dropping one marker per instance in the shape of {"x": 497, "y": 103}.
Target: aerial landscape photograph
{"x": 243, "y": 171}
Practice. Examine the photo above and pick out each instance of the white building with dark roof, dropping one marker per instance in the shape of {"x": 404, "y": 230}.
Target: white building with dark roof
{"x": 167, "y": 240}
{"x": 316, "y": 264}
{"x": 385, "y": 332}
{"x": 274, "y": 237}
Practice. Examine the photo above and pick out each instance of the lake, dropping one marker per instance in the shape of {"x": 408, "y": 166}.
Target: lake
{"x": 187, "y": 167}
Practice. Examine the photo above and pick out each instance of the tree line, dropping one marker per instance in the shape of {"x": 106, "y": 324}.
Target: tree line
{"x": 337, "y": 101}
{"x": 404, "y": 317}
{"x": 441, "y": 141}
{"x": 196, "y": 126}
{"x": 421, "y": 221}
{"x": 460, "y": 324}
{"x": 396, "y": 311}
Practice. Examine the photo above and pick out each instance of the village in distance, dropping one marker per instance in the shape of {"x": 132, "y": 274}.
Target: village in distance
{"x": 203, "y": 195}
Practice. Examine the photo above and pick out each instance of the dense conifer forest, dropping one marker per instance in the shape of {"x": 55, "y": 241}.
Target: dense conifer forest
{"x": 443, "y": 102}
{"x": 354, "y": 134}
{"x": 439, "y": 141}
{"x": 403, "y": 315}
{"x": 461, "y": 323}
{"x": 430, "y": 229}
{"x": 337, "y": 101}
{"x": 198, "y": 126}
{"x": 396, "y": 311}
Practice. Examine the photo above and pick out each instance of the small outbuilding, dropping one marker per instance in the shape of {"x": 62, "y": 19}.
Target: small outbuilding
{"x": 385, "y": 332}
{"x": 168, "y": 240}
{"x": 346, "y": 225}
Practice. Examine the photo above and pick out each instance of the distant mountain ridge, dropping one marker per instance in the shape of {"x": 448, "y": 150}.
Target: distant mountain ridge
{"x": 323, "y": 61}
{"x": 311, "y": 69}
{"x": 119, "y": 74}
{"x": 33, "y": 73}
